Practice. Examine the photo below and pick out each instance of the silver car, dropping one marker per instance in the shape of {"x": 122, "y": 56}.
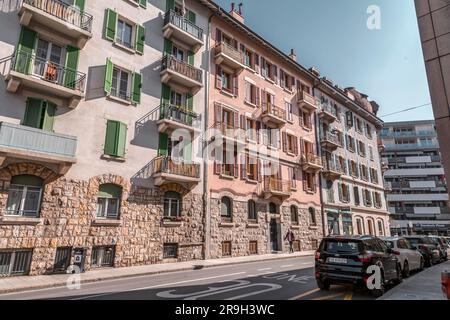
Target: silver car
{"x": 410, "y": 258}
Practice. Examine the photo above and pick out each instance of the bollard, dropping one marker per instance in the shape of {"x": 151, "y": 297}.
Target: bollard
{"x": 445, "y": 276}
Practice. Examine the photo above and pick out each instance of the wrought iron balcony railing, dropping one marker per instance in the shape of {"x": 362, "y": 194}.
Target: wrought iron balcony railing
{"x": 230, "y": 51}
{"x": 167, "y": 165}
{"x": 178, "y": 114}
{"x": 273, "y": 110}
{"x": 171, "y": 63}
{"x": 184, "y": 24}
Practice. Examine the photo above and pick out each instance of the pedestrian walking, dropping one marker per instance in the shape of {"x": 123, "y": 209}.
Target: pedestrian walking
{"x": 290, "y": 238}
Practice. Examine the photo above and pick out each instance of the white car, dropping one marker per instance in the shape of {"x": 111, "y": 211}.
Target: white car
{"x": 410, "y": 258}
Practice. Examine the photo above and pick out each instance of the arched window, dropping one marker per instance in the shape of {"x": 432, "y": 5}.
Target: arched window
{"x": 312, "y": 216}
{"x": 371, "y": 227}
{"x": 381, "y": 227}
{"x": 273, "y": 208}
{"x": 251, "y": 205}
{"x": 226, "y": 208}
{"x": 360, "y": 226}
{"x": 294, "y": 214}
{"x": 172, "y": 204}
{"x": 108, "y": 201}
{"x": 24, "y": 196}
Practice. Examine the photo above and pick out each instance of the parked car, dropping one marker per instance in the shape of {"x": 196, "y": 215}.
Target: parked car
{"x": 426, "y": 247}
{"x": 410, "y": 258}
{"x": 442, "y": 247}
{"x": 345, "y": 259}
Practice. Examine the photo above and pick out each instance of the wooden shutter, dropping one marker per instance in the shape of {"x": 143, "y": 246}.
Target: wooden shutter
{"x": 136, "y": 85}
{"x": 49, "y": 110}
{"x": 79, "y": 4}
{"x": 275, "y": 73}
{"x": 304, "y": 180}
{"x": 284, "y": 135}
{"x": 70, "y": 76}
{"x": 243, "y": 122}
{"x": 218, "y": 78}
{"x": 168, "y": 46}
{"x": 140, "y": 39}
{"x": 108, "y": 76}
{"x": 192, "y": 17}
{"x": 236, "y": 120}
{"x": 258, "y": 132}
{"x": 191, "y": 58}
{"x": 25, "y": 49}
{"x": 111, "y": 23}
{"x": 243, "y": 166}
{"x": 257, "y": 96}
{"x": 263, "y": 67}
{"x": 260, "y": 170}
{"x": 235, "y": 86}
{"x": 121, "y": 139}
{"x": 170, "y": 5}
{"x": 165, "y": 95}
{"x": 264, "y": 100}
{"x": 143, "y": 3}
{"x": 257, "y": 65}
{"x": 302, "y": 146}
{"x": 236, "y": 166}
{"x": 112, "y": 127}
{"x": 33, "y": 113}
{"x": 217, "y": 113}
{"x": 295, "y": 145}
{"x": 163, "y": 144}
{"x": 282, "y": 83}
{"x": 218, "y": 36}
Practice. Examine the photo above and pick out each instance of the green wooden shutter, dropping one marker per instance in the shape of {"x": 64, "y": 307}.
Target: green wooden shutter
{"x": 170, "y": 5}
{"x": 111, "y": 23}
{"x": 188, "y": 152}
{"x": 143, "y": 3}
{"x": 121, "y": 139}
{"x": 163, "y": 144}
{"x": 136, "y": 86}
{"x": 140, "y": 39}
{"x": 70, "y": 75}
{"x": 112, "y": 127}
{"x": 25, "y": 50}
{"x": 165, "y": 96}
{"x": 49, "y": 116}
{"x": 168, "y": 47}
{"x": 108, "y": 76}
{"x": 191, "y": 16}
{"x": 33, "y": 113}
{"x": 191, "y": 56}
{"x": 79, "y": 4}
{"x": 190, "y": 106}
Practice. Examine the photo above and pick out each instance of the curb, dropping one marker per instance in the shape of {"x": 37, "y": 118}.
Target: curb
{"x": 99, "y": 279}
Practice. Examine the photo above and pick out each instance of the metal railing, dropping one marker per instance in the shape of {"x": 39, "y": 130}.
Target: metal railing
{"x": 410, "y": 146}
{"x": 171, "y": 63}
{"x": 273, "y": 110}
{"x": 184, "y": 24}
{"x": 333, "y": 138}
{"x": 326, "y": 108}
{"x": 15, "y": 263}
{"x": 311, "y": 158}
{"x": 419, "y": 133}
{"x": 165, "y": 164}
{"x": 63, "y": 11}
{"x": 230, "y": 51}
{"x": 178, "y": 114}
{"x": 31, "y": 139}
{"x": 306, "y": 97}
{"x": 48, "y": 71}
{"x": 277, "y": 185}
{"x": 122, "y": 42}
{"x": 330, "y": 166}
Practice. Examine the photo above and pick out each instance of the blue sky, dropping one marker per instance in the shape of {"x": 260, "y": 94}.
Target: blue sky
{"x": 332, "y": 35}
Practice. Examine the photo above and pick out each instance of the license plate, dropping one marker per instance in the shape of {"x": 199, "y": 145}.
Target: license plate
{"x": 337, "y": 260}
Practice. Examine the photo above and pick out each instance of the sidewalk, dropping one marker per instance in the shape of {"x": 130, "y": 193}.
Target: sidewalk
{"x": 14, "y": 284}
{"x": 426, "y": 285}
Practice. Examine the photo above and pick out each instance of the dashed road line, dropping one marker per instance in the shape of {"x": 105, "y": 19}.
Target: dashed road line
{"x": 329, "y": 297}
{"x": 264, "y": 269}
{"x": 287, "y": 266}
{"x": 305, "y": 294}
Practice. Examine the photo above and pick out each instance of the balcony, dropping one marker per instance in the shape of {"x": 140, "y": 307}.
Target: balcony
{"x": 277, "y": 188}
{"x": 307, "y": 102}
{"x": 311, "y": 163}
{"x": 404, "y": 134}
{"x": 26, "y": 143}
{"x": 178, "y": 27}
{"x": 181, "y": 73}
{"x": 61, "y": 21}
{"x": 331, "y": 171}
{"x": 273, "y": 116}
{"x": 411, "y": 146}
{"x": 165, "y": 170}
{"x": 330, "y": 141}
{"x": 32, "y": 75}
{"x": 327, "y": 114}
{"x": 229, "y": 56}
{"x": 173, "y": 117}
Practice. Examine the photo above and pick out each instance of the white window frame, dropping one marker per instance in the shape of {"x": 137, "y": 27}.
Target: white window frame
{"x": 22, "y": 201}
{"x": 119, "y": 40}
{"x": 117, "y": 93}
{"x": 172, "y": 201}
{"x": 104, "y": 215}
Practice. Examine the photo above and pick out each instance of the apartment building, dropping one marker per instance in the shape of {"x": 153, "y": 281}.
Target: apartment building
{"x": 263, "y": 179}
{"x": 417, "y": 197}
{"x": 91, "y": 96}
{"x": 353, "y": 200}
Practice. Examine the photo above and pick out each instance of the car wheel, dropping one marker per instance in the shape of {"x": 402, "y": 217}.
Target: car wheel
{"x": 422, "y": 264}
{"x": 323, "y": 285}
{"x": 405, "y": 269}
{"x": 399, "y": 274}
{"x": 376, "y": 293}
{"x": 429, "y": 262}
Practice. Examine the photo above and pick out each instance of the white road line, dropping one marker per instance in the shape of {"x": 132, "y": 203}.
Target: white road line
{"x": 264, "y": 269}
{"x": 160, "y": 285}
{"x": 287, "y": 266}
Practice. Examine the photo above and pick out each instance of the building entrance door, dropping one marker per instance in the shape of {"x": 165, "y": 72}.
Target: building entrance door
{"x": 274, "y": 235}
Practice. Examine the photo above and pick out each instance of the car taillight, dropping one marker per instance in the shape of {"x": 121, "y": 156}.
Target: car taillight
{"x": 317, "y": 256}
{"x": 423, "y": 247}
{"x": 364, "y": 258}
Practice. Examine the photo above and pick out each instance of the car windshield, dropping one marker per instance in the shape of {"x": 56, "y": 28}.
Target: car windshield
{"x": 390, "y": 244}
{"x": 414, "y": 241}
{"x": 342, "y": 246}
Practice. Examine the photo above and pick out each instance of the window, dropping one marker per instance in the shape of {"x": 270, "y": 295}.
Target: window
{"x": 179, "y": 54}
{"x": 108, "y": 201}
{"x": 229, "y": 165}
{"x": 312, "y": 216}
{"x": 367, "y": 198}
{"x": 15, "y": 262}
{"x": 371, "y": 227}
{"x": 361, "y": 149}
{"x": 350, "y": 143}
{"x": 354, "y": 169}
{"x": 172, "y": 204}
{"x": 364, "y": 173}
{"x": 251, "y": 207}
{"x": 381, "y": 230}
{"x": 368, "y": 131}
{"x": 24, "y": 196}
{"x": 374, "y": 175}
{"x": 251, "y": 94}
{"x": 226, "y": 248}
{"x": 371, "y": 153}
{"x": 62, "y": 259}
{"x": 347, "y": 224}
{"x": 294, "y": 215}
{"x": 115, "y": 140}
{"x": 48, "y": 61}
{"x": 359, "y": 127}
{"x": 289, "y": 111}
{"x": 227, "y": 82}
{"x": 305, "y": 120}
{"x": 170, "y": 250}
{"x": 251, "y": 168}
{"x": 293, "y": 177}
{"x": 39, "y": 114}
{"x": 226, "y": 208}
{"x": 359, "y": 226}
{"x": 377, "y": 199}
{"x": 290, "y": 143}
{"x": 102, "y": 256}
{"x": 309, "y": 181}
{"x": 121, "y": 84}
{"x": 252, "y": 129}
{"x": 344, "y": 193}
{"x": 356, "y": 195}
{"x": 124, "y": 33}
{"x": 273, "y": 208}
{"x": 286, "y": 80}
{"x": 253, "y": 247}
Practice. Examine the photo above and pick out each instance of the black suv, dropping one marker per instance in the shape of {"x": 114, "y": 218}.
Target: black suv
{"x": 345, "y": 259}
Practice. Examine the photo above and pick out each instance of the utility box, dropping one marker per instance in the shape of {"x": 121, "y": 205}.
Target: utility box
{"x": 79, "y": 258}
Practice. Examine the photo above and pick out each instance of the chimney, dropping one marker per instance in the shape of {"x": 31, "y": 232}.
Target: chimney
{"x": 237, "y": 14}
{"x": 292, "y": 55}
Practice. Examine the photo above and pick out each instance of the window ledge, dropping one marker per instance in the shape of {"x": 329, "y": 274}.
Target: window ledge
{"x": 106, "y": 222}
{"x": 290, "y": 153}
{"x": 120, "y": 100}
{"x": 252, "y": 141}
{"x": 313, "y": 227}
{"x": 251, "y": 181}
{"x": 227, "y": 177}
{"x": 225, "y": 92}
{"x": 125, "y": 48}
{"x": 227, "y": 224}
{"x": 250, "y": 69}
{"x": 310, "y": 192}
{"x": 288, "y": 91}
{"x": 251, "y": 104}
{"x": 168, "y": 223}
{"x": 113, "y": 158}
{"x": 12, "y": 220}
{"x": 295, "y": 226}
{"x": 270, "y": 80}
{"x": 272, "y": 148}
{"x": 252, "y": 225}
{"x": 134, "y": 3}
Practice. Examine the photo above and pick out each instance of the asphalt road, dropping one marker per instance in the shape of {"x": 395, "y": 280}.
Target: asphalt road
{"x": 284, "y": 279}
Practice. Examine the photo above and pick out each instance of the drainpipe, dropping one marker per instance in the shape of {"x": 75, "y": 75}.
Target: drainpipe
{"x": 206, "y": 200}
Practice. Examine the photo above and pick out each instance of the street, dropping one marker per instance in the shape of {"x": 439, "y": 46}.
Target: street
{"x": 285, "y": 279}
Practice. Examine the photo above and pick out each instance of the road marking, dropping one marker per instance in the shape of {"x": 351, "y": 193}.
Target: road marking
{"x": 287, "y": 266}
{"x": 330, "y": 296}
{"x": 263, "y": 269}
{"x": 160, "y": 285}
{"x": 349, "y": 296}
{"x": 307, "y": 293}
